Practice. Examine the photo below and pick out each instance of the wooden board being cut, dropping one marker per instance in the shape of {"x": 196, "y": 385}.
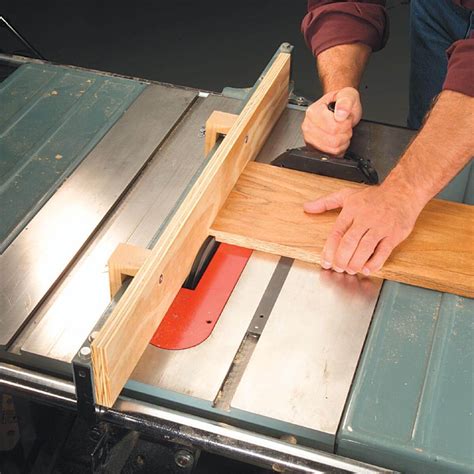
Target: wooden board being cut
{"x": 265, "y": 212}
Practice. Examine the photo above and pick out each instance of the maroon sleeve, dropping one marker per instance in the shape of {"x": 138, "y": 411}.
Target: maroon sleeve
{"x": 460, "y": 76}
{"x": 329, "y": 23}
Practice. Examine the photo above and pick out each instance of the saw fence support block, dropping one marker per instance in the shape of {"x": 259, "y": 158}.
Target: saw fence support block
{"x": 126, "y": 333}
{"x": 219, "y": 123}
{"x": 126, "y": 260}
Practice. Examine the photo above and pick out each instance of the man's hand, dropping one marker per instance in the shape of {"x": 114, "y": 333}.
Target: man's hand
{"x": 373, "y": 221}
{"x": 329, "y": 131}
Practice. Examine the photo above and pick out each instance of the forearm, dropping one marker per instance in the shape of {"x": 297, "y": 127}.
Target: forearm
{"x": 342, "y": 66}
{"x": 441, "y": 149}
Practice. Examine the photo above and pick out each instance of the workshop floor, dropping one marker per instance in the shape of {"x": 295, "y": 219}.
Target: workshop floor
{"x": 206, "y": 45}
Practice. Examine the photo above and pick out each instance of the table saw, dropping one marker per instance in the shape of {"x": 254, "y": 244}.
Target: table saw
{"x": 298, "y": 370}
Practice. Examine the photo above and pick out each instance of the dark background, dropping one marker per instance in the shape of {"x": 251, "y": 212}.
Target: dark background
{"x": 203, "y": 44}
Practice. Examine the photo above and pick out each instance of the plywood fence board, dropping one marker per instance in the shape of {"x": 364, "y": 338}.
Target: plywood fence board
{"x": 127, "y": 331}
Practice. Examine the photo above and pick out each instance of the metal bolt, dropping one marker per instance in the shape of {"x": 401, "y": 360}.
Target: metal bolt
{"x": 246, "y": 139}
{"x": 183, "y": 458}
{"x": 161, "y": 278}
{"x": 93, "y": 335}
{"x": 202, "y": 131}
{"x": 85, "y": 353}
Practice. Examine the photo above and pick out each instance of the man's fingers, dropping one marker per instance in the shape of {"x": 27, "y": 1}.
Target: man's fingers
{"x": 345, "y": 102}
{"x": 329, "y": 131}
{"x": 326, "y": 140}
{"x": 347, "y": 247}
{"x": 343, "y": 109}
{"x": 343, "y": 223}
{"x": 364, "y": 251}
{"x": 327, "y": 203}
{"x": 376, "y": 262}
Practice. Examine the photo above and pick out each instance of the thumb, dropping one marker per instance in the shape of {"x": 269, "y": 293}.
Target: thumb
{"x": 345, "y": 102}
{"x": 327, "y": 203}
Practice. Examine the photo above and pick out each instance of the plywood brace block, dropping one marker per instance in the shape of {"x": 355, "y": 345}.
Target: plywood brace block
{"x": 125, "y": 261}
{"x": 219, "y": 123}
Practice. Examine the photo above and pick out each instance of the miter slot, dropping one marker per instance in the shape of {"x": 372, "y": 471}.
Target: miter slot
{"x": 236, "y": 372}
{"x": 255, "y": 329}
{"x": 270, "y": 296}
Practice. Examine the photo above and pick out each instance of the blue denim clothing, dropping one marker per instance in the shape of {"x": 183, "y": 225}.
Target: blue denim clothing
{"x": 435, "y": 25}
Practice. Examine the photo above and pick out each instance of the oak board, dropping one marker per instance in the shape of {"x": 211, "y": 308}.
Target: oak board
{"x": 265, "y": 212}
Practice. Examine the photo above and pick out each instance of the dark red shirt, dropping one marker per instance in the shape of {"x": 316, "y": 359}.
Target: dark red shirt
{"x": 329, "y": 23}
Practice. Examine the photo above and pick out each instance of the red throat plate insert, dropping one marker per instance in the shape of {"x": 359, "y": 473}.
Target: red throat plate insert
{"x": 194, "y": 313}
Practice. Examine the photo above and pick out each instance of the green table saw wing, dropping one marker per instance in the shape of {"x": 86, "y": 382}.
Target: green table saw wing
{"x": 412, "y": 404}
{"x": 50, "y": 118}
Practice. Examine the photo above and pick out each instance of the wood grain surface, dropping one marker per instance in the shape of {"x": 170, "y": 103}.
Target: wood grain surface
{"x": 219, "y": 123}
{"x": 127, "y": 331}
{"x": 265, "y": 212}
{"x": 126, "y": 260}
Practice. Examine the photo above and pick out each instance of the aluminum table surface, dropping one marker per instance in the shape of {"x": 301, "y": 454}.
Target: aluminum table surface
{"x": 43, "y": 250}
{"x": 66, "y": 318}
{"x": 303, "y": 365}
{"x": 200, "y": 371}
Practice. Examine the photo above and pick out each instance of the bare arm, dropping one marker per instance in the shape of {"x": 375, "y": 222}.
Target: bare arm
{"x": 441, "y": 149}
{"x": 373, "y": 221}
{"x": 340, "y": 69}
{"x": 342, "y": 66}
